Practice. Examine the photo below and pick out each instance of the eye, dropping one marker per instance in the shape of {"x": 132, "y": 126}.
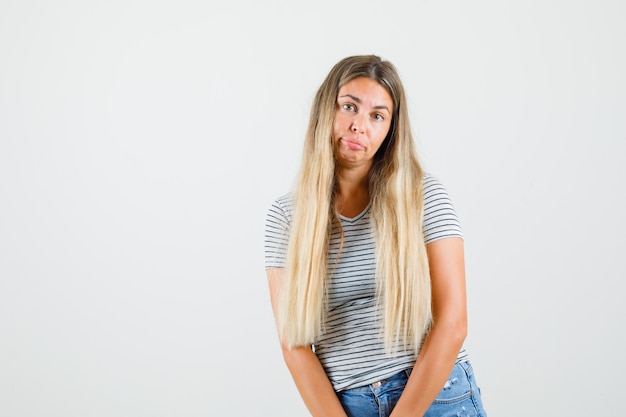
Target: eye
{"x": 348, "y": 106}
{"x": 377, "y": 116}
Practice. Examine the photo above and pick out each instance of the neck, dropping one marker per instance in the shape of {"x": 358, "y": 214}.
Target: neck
{"x": 353, "y": 191}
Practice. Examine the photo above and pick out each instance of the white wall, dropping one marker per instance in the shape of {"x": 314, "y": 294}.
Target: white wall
{"x": 141, "y": 143}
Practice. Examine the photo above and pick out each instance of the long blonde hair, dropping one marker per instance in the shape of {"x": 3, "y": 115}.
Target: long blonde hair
{"x": 395, "y": 182}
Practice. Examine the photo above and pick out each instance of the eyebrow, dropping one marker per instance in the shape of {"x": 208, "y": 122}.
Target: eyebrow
{"x": 358, "y": 100}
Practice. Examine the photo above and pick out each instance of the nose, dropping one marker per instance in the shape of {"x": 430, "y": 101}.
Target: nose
{"x": 357, "y": 124}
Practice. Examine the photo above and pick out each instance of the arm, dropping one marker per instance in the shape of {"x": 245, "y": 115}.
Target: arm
{"x": 306, "y": 370}
{"x": 441, "y": 347}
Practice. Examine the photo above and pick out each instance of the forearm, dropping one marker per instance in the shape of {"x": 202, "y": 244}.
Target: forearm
{"x": 431, "y": 370}
{"x": 313, "y": 383}
{"x": 445, "y": 338}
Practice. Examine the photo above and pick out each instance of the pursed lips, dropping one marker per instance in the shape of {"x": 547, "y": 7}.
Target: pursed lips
{"x": 353, "y": 144}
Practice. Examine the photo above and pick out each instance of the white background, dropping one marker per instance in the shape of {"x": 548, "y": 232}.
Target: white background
{"x": 141, "y": 143}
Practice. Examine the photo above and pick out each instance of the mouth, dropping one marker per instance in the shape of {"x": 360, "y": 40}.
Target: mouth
{"x": 351, "y": 144}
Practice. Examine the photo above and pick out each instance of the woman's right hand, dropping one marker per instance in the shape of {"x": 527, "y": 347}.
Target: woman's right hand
{"x": 306, "y": 370}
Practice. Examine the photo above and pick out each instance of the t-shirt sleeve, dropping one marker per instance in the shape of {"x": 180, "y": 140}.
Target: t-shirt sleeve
{"x": 277, "y": 224}
{"x": 440, "y": 219}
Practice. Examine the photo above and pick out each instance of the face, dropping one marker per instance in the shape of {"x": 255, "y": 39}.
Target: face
{"x": 362, "y": 120}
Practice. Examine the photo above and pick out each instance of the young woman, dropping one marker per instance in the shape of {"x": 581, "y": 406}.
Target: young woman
{"x": 365, "y": 262}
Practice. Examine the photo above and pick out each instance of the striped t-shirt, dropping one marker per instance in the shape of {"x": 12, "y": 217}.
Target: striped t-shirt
{"x": 351, "y": 348}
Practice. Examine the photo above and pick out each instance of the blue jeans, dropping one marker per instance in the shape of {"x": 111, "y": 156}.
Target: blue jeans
{"x": 460, "y": 396}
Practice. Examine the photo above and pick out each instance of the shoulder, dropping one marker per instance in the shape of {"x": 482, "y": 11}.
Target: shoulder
{"x": 284, "y": 203}
{"x": 431, "y": 186}
{"x": 277, "y": 225}
{"x": 281, "y": 210}
{"x": 440, "y": 218}
{"x": 433, "y": 191}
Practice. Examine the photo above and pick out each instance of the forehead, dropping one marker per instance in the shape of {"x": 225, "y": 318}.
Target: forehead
{"x": 365, "y": 89}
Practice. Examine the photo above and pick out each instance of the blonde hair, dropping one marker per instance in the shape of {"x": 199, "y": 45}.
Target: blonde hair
{"x": 395, "y": 182}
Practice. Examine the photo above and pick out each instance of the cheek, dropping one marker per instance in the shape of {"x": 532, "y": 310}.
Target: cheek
{"x": 335, "y": 129}
{"x": 339, "y": 121}
{"x": 338, "y": 125}
{"x": 382, "y": 134}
